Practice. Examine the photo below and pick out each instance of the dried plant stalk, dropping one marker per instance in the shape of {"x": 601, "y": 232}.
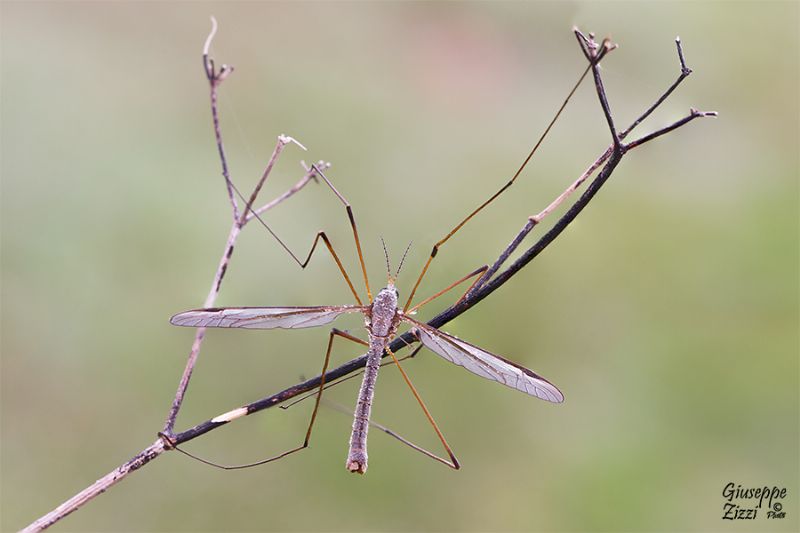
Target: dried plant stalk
{"x": 488, "y": 283}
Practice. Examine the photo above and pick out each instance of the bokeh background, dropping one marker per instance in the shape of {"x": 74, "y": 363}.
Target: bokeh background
{"x": 668, "y": 313}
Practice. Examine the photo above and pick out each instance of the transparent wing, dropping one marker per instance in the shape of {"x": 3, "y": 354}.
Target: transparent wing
{"x": 262, "y": 317}
{"x": 485, "y": 364}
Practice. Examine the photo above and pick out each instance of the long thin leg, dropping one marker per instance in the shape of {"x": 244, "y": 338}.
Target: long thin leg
{"x": 320, "y": 235}
{"x": 351, "y": 376}
{"x": 458, "y": 226}
{"x": 342, "y": 409}
{"x": 310, "y": 175}
{"x": 474, "y": 273}
{"x": 453, "y": 462}
{"x": 238, "y": 413}
{"x": 352, "y": 225}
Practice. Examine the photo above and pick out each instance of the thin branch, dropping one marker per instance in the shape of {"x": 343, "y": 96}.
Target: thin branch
{"x": 97, "y": 488}
{"x": 685, "y": 72}
{"x": 222, "y": 267}
{"x": 693, "y": 114}
{"x": 534, "y": 220}
{"x": 215, "y": 78}
{"x": 311, "y": 174}
{"x": 611, "y": 158}
{"x": 594, "y": 52}
{"x": 283, "y": 140}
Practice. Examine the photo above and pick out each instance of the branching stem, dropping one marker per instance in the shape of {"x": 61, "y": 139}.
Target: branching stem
{"x": 487, "y": 284}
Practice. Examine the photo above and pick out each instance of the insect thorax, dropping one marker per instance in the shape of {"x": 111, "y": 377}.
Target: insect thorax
{"x": 384, "y": 312}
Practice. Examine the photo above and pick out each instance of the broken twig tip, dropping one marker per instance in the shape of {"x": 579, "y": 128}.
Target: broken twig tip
{"x": 210, "y": 37}
{"x": 697, "y": 113}
{"x": 286, "y": 139}
{"x": 224, "y": 72}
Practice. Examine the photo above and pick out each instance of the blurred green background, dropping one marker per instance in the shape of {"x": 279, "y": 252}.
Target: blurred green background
{"x": 668, "y": 313}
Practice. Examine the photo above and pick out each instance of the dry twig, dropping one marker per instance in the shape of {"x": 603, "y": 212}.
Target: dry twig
{"x": 489, "y": 282}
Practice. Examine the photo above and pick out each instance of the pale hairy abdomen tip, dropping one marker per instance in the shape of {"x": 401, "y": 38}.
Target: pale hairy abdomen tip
{"x": 357, "y": 462}
{"x": 356, "y": 467}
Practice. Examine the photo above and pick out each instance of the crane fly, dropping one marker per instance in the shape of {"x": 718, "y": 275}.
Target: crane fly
{"x": 382, "y": 317}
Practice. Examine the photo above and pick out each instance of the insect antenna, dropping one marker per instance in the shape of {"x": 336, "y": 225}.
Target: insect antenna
{"x": 403, "y": 259}
{"x": 388, "y": 265}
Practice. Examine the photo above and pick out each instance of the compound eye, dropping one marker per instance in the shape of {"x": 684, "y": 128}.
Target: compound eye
{"x": 396, "y": 293}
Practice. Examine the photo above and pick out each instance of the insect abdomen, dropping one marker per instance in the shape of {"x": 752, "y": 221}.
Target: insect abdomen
{"x": 357, "y": 456}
